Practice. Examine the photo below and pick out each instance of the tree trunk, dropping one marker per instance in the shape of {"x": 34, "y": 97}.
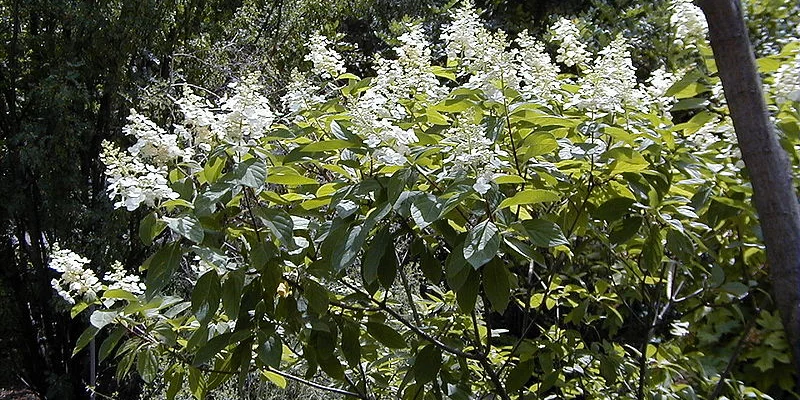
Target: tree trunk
{"x": 767, "y": 163}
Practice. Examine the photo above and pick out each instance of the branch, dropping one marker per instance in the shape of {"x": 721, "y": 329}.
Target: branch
{"x": 315, "y": 385}
{"x": 767, "y": 163}
{"x": 436, "y": 342}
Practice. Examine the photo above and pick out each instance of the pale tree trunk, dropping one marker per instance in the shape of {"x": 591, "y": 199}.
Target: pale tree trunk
{"x": 767, "y": 163}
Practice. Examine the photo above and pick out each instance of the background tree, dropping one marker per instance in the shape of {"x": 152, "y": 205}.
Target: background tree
{"x": 767, "y": 164}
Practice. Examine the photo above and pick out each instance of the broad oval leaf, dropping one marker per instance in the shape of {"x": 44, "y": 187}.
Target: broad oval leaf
{"x": 427, "y": 364}
{"x": 544, "y": 233}
{"x": 496, "y": 284}
{"x": 425, "y": 209}
{"x": 530, "y": 196}
{"x": 206, "y": 296}
{"x": 482, "y": 243}
{"x": 251, "y": 173}
{"x": 188, "y": 226}
{"x": 325, "y": 145}
{"x": 101, "y": 318}
{"x": 161, "y": 266}
{"x": 386, "y": 335}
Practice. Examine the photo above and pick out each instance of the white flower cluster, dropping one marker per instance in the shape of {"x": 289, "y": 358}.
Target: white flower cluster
{"x": 76, "y": 282}
{"x": 572, "y": 51}
{"x": 688, "y": 22}
{"x": 481, "y": 53}
{"x": 141, "y": 177}
{"x": 80, "y": 283}
{"x": 246, "y": 115}
{"x": 409, "y": 75}
{"x": 372, "y": 117}
{"x": 375, "y": 112}
{"x": 611, "y": 82}
{"x": 132, "y": 182}
{"x": 300, "y": 94}
{"x": 199, "y": 119}
{"x": 153, "y": 143}
{"x": 536, "y": 69}
{"x": 657, "y": 85}
{"x": 118, "y": 278}
{"x": 786, "y": 81}
{"x": 327, "y": 63}
{"x": 241, "y": 118}
{"x": 468, "y": 149}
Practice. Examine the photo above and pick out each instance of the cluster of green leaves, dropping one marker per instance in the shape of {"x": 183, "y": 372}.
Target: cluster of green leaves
{"x": 617, "y": 254}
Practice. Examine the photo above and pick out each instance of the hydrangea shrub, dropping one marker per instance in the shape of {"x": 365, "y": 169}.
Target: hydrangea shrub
{"x": 488, "y": 224}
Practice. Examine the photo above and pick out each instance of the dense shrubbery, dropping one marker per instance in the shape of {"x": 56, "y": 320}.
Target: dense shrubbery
{"x": 493, "y": 224}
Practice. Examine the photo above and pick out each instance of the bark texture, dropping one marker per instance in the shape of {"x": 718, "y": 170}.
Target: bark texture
{"x": 767, "y": 163}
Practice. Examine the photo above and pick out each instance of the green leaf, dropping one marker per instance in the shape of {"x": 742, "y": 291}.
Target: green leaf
{"x": 206, "y": 296}
{"x": 101, "y": 318}
{"x": 146, "y": 365}
{"x": 443, "y": 72}
{"x": 197, "y": 383}
{"x": 316, "y": 295}
{"x": 625, "y": 230}
{"x": 110, "y": 343}
{"x": 207, "y": 351}
{"x": 188, "y": 226}
{"x": 689, "y": 90}
{"x": 213, "y": 169}
{"x": 280, "y": 223}
{"x": 653, "y": 250}
{"x": 119, "y": 294}
{"x": 175, "y": 380}
{"x": 481, "y": 244}
{"x": 544, "y": 233}
{"x": 690, "y": 104}
{"x": 530, "y": 196}
{"x": 425, "y": 209}
{"x": 737, "y": 289}
{"x": 232, "y": 292}
{"x": 385, "y": 335}
{"x": 206, "y": 201}
{"x": 251, "y": 173}
{"x": 613, "y": 209}
{"x": 85, "y": 338}
{"x": 496, "y": 284}
{"x": 435, "y": 118}
{"x": 276, "y": 379}
{"x": 150, "y": 228}
{"x": 351, "y": 344}
{"x": 171, "y": 204}
{"x": 518, "y": 376}
{"x": 509, "y": 179}
{"x": 468, "y": 293}
{"x": 388, "y": 270}
{"x": 576, "y": 315}
{"x": 540, "y": 143}
{"x": 453, "y": 105}
{"x": 77, "y": 309}
{"x": 270, "y": 351}
{"x": 325, "y": 145}
{"x": 374, "y": 255}
{"x": 430, "y": 266}
{"x": 282, "y": 175}
{"x": 680, "y": 245}
{"x": 626, "y": 160}
{"x": 456, "y": 268}
{"x": 342, "y": 245}
{"x": 427, "y": 364}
